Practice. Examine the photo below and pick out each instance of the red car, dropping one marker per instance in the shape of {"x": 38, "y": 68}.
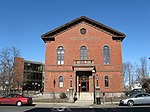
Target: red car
{"x": 16, "y": 99}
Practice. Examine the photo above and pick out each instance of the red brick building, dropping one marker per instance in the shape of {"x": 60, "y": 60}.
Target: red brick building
{"x": 28, "y": 75}
{"x": 83, "y": 54}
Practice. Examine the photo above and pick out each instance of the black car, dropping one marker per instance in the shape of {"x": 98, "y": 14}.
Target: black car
{"x": 130, "y": 93}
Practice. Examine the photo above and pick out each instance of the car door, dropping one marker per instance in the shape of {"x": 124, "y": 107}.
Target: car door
{"x": 147, "y": 98}
{"x": 6, "y": 99}
{"x": 11, "y": 99}
{"x": 139, "y": 99}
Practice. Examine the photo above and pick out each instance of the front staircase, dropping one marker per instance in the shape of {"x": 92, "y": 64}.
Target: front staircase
{"x": 85, "y": 97}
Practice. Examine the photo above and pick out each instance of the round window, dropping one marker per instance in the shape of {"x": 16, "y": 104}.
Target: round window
{"x": 83, "y": 31}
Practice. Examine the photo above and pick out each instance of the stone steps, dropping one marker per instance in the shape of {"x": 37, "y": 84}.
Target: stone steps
{"x": 84, "y": 103}
{"x": 85, "y": 96}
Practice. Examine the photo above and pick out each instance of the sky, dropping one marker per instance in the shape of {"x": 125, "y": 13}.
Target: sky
{"x": 22, "y": 22}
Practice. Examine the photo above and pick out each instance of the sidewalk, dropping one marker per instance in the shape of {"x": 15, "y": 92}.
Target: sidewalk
{"x": 42, "y": 102}
{"x": 76, "y": 105}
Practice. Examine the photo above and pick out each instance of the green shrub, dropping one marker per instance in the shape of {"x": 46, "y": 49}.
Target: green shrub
{"x": 63, "y": 95}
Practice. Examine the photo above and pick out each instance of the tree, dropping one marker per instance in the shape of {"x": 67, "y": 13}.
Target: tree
{"x": 146, "y": 85}
{"x": 7, "y": 56}
{"x": 128, "y": 74}
{"x": 141, "y": 70}
{"x": 136, "y": 74}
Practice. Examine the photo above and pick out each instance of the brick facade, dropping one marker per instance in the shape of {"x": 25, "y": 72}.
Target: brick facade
{"x": 96, "y": 37}
{"x": 18, "y": 72}
{"x": 28, "y": 75}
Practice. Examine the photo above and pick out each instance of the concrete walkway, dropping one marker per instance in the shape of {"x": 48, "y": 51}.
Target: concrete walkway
{"x": 80, "y": 104}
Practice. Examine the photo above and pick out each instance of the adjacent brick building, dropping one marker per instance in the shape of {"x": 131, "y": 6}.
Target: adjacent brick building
{"x": 28, "y": 75}
{"x": 83, "y": 54}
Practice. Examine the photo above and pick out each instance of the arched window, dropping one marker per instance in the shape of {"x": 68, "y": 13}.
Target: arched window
{"x": 83, "y": 53}
{"x": 106, "y": 81}
{"x": 61, "y": 80}
{"x": 106, "y": 54}
{"x": 60, "y": 55}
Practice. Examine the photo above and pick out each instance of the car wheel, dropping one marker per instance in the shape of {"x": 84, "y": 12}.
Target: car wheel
{"x": 19, "y": 103}
{"x": 130, "y": 103}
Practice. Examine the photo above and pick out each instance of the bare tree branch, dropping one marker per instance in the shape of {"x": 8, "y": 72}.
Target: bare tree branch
{"x": 7, "y": 56}
{"x": 129, "y": 77}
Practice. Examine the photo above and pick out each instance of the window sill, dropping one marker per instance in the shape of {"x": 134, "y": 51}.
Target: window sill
{"x": 107, "y": 87}
{"x": 107, "y": 64}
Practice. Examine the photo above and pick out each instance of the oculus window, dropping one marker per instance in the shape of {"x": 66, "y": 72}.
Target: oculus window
{"x": 83, "y": 31}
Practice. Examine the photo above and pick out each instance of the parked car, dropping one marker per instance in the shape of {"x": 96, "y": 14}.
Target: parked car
{"x": 15, "y": 99}
{"x": 137, "y": 98}
{"x": 130, "y": 93}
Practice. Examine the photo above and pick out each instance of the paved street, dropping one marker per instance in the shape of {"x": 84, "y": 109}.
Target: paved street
{"x": 90, "y": 109}
{"x": 15, "y": 108}
{"x": 62, "y": 108}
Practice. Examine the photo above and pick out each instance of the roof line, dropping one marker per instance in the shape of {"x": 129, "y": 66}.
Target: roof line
{"x": 74, "y": 22}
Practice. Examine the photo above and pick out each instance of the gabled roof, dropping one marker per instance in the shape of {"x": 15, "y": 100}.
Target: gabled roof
{"x": 49, "y": 36}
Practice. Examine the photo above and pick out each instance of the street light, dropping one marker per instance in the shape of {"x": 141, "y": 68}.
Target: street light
{"x": 71, "y": 81}
{"x": 7, "y": 86}
{"x": 93, "y": 72}
{"x": 97, "y": 80}
{"x": 6, "y": 82}
{"x": 71, "y": 99}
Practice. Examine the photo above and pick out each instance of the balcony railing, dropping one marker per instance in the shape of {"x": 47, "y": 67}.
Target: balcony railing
{"x": 83, "y": 63}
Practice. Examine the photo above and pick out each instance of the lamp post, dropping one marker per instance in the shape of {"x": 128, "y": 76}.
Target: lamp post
{"x": 97, "y": 80}
{"x": 6, "y": 86}
{"x": 93, "y": 72}
{"x": 71, "y": 99}
{"x": 97, "y": 91}
{"x": 71, "y": 81}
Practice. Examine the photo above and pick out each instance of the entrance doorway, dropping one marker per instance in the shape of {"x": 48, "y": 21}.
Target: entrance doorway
{"x": 84, "y": 83}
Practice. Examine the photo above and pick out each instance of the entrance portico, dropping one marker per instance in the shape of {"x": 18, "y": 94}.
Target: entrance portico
{"x": 84, "y": 81}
